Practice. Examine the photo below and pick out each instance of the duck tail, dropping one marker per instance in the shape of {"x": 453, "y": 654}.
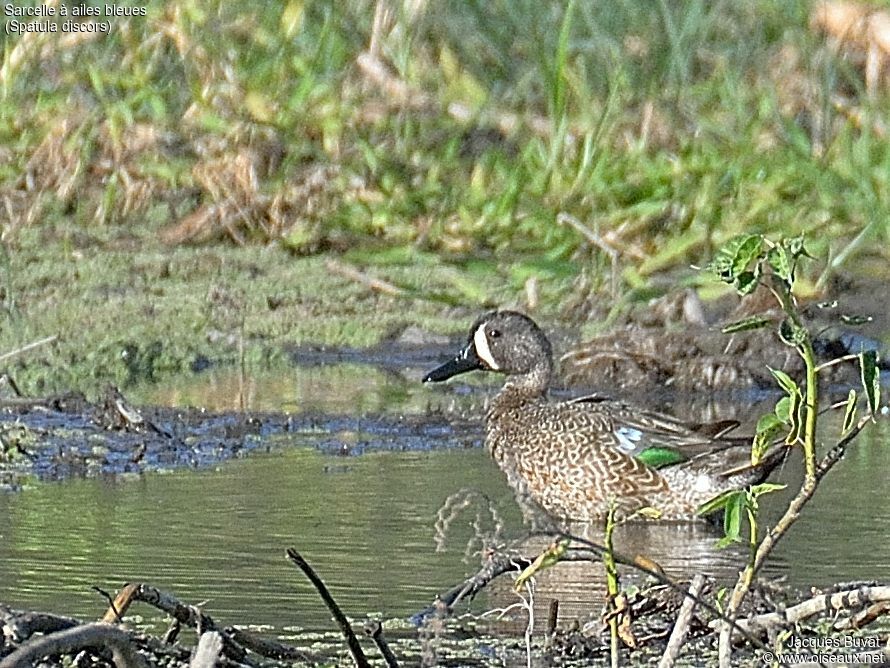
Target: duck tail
{"x": 757, "y": 473}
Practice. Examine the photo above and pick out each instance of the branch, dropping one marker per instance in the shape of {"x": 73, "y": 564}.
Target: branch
{"x": 74, "y": 639}
{"x": 374, "y": 630}
{"x": 681, "y": 628}
{"x": 235, "y": 641}
{"x": 843, "y": 600}
{"x": 497, "y": 564}
{"x": 769, "y": 542}
{"x": 361, "y": 661}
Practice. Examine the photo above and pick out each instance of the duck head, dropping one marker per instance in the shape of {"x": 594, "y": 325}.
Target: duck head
{"x": 502, "y": 341}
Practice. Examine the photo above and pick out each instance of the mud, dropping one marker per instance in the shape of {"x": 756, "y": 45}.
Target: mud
{"x": 66, "y": 436}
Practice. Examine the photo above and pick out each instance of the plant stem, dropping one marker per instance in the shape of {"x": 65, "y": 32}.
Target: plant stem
{"x": 812, "y": 403}
{"x": 611, "y": 583}
{"x": 759, "y": 553}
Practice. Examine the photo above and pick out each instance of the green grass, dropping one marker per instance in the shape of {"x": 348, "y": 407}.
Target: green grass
{"x": 664, "y": 127}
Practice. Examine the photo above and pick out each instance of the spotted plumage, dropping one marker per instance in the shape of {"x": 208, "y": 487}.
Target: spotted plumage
{"x": 574, "y": 457}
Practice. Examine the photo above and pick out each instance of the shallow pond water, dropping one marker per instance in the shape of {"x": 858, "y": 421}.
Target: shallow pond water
{"x": 366, "y": 517}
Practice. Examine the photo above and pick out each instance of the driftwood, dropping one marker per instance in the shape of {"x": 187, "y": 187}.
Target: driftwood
{"x": 361, "y": 661}
{"x": 209, "y": 650}
{"x": 849, "y": 599}
{"x": 235, "y": 642}
{"x": 76, "y": 638}
{"x": 681, "y": 628}
{"x": 21, "y": 627}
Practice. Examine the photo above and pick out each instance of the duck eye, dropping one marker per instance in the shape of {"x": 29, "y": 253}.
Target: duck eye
{"x": 494, "y": 333}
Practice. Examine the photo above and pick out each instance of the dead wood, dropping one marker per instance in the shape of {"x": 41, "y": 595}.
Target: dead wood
{"x": 495, "y": 565}
{"x": 20, "y": 627}
{"x": 374, "y": 630}
{"x": 235, "y": 642}
{"x": 841, "y": 601}
{"x": 77, "y": 638}
{"x": 353, "y": 274}
{"x": 208, "y": 651}
{"x": 681, "y": 628}
{"x": 358, "y": 656}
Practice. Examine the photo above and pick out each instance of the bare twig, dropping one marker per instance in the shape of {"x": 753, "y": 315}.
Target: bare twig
{"x": 836, "y": 361}
{"x": 112, "y": 609}
{"x": 681, "y": 627}
{"x": 361, "y": 661}
{"x": 497, "y": 564}
{"x": 28, "y": 347}
{"x": 354, "y": 274}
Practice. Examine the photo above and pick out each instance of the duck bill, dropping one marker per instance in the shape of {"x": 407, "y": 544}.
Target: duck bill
{"x": 466, "y": 360}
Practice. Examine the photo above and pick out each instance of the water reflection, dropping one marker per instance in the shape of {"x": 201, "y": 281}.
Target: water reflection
{"x": 346, "y": 389}
{"x": 367, "y": 522}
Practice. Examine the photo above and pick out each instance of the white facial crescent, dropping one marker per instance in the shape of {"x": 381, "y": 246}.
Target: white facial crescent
{"x": 480, "y": 341}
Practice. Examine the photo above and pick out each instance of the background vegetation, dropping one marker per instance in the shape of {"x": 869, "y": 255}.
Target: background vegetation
{"x": 455, "y": 150}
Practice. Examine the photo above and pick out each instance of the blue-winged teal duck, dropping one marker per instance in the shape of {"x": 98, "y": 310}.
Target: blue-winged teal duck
{"x": 572, "y": 457}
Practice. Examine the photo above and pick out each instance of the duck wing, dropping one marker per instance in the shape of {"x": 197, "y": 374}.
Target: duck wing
{"x": 656, "y": 439}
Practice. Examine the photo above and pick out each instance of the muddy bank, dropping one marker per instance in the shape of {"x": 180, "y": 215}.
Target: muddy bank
{"x": 67, "y": 436}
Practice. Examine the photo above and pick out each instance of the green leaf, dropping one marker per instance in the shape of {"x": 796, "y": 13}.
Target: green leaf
{"x": 849, "y": 412}
{"x": 871, "y": 379}
{"x": 765, "y": 488}
{"x": 783, "y": 410}
{"x": 747, "y": 281}
{"x": 785, "y": 381}
{"x": 732, "y": 516}
{"x": 780, "y": 262}
{"x": 748, "y": 251}
{"x": 725, "y": 542}
{"x": 791, "y": 334}
{"x": 752, "y": 322}
{"x": 795, "y": 247}
{"x": 735, "y": 256}
{"x": 795, "y": 417}
{"x": 768, "y": 427}
{"x": 715, "y": 504}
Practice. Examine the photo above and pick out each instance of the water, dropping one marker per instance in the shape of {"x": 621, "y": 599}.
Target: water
{"x": 367, "y": 523}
